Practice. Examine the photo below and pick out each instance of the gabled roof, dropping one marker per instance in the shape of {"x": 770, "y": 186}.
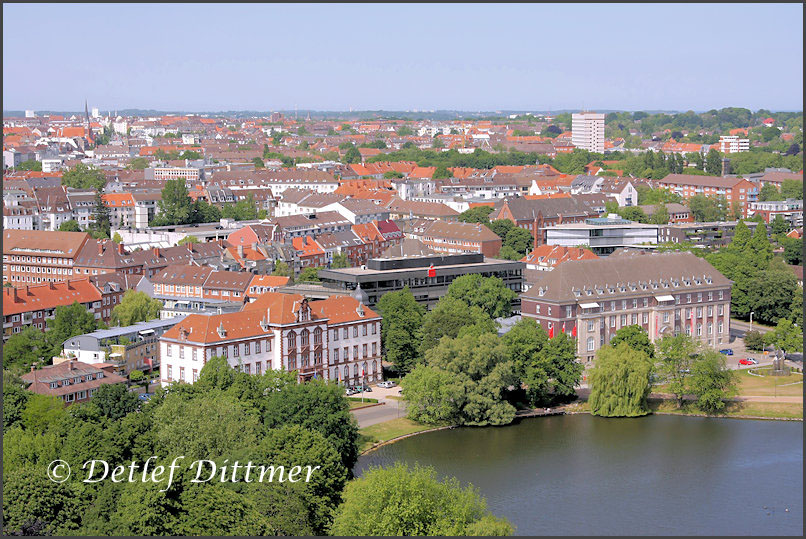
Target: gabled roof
{"x": 43, "y": 243}
{"x": 342, "y": 309}
{"x": 281, "y": 308}
{"x": 48, "y": 296}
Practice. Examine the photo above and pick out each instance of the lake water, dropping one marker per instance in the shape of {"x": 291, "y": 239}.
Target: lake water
{"x": 656, "y": 475}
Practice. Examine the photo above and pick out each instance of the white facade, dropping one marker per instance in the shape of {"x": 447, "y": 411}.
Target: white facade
{"x": 733, "y": 144}
{"x": 587, "y": 131}
{"x": 602, "y": 239}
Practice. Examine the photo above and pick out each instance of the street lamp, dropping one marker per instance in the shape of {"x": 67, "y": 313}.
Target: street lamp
{"x": 751, "y": 320}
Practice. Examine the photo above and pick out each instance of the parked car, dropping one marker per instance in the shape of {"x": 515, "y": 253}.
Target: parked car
{"x": 753, "y": 361}
{"x": 746, "y": 362}
{"x": 351, "y": 391}
{"x": 387, "y": 384}
{"x": 726, "y": 351}
{"x": 144, "y": 396}
{"x": 367, "y": 388}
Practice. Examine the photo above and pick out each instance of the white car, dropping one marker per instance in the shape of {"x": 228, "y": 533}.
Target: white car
{"x": 387, "y": 384}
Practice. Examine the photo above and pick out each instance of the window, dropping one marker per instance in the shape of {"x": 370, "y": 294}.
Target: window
{"x": 720, "y": 310}
{"x": 646, "y": 318}
{"x": 699, "y": 296}
{"x": 710, "y": 296}
{"x": 635, "y": 303}
{"x": 257, "y": 347}
{"x": 336, "y": 355}
{"x": 346, "y": 353}
{"x": 699, "y": 330}
{"x": 169, "y": 372}
{"x": 720, "y": 294}
{"x": 375, "y": 328}
{"x": 591, "y": 325}
{"x": 257, "y": 367}
{"x": 335, "y": 334}
{"x": 292, "y": 341}
{"x": 355, "y": 352}
{"x": 355, "y": 331}
{"x": 710, "y": 310}
{"x": 317, "y": 336}
{"x": 236, "y": 350}
{"x": 181, "y": 352}
{"x": 612, "y": 321}
{"x": 374, "y": 349}
{"x": 364, "y": 330}
{"x": 635, "y": 318}
{"x": 305, "y": 337}
{"x": 346, "y": 372}
{"x": 710, "y": 328}
{"x": 623, "y": 320}
{"x": 181, "y": 373}
{"x": 688, "y": 298}
{"x": 568, "y": 311}
{"x": 720, "y": 326}
{"x": 665, "y": 316}
{"x": 612, "y": 305}
{"x": 699, "y": 312}
{"x": 591, "y": 344}
{"x": 345, "y": 333}
{"x": 168, "y": 350}
{"x": 623, "y": 304}
{"x": 246, "y": 368}
{"x": 268, "y": 346}
{"x": 363, "y": 350}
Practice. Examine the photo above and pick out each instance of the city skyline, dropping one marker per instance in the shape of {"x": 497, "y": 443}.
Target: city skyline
{"x": 432, "y": 58}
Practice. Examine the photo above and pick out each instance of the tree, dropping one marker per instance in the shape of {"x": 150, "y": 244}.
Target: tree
{"x": 399, "y": 500}
{"x": 779, "y": 225}
{"x": 32, "y": 504}
{"x": 636, "y": 338}
{"x": 281, "y": 269}
{"x": 705, "y": 208}
{"x": 136, "y": 376}
{"x": 769, "y": 191}
{"x": 392, "y": 174}
{"x": 26, "y": 348}
{"x": 400, "y": 326}
{"x": 793, "y": 250}
{"x": 713, "y": 163}
{"x": 15, "y": 398}
{"x": 202, "y": 212}
{"x": 317, "y": 406}
{"x": 430, "y": 395}
{"x": 32, "y": 164}
{"x": 309, "y": 274}
{"x": 620, "y": 382}
{"x": 352, "y": 155}
{"x": 115, "y": 400}
{"x": 138, "y": 163}
{"x": 501, "y": 227}
{"x": 82, "y": 176}
{"x": 508, "y": 253}
{"x": 675, "y": 355}
{"x": 447, "y": 318}
{"x": 188, "y": 239}
{"x": 101, "y": 216}
{"x": 786, "y": 337}
{"x": 340, "y": 260}
{"x": 258, "y": 163}
{"x": 135, "y": 307}
{"x": 117, "y": 238}
{"x": 660, "y": 216}
{"x": 442, "y": 173}
{"x": 404, "y": 131}
{"x": 710, "y": 381}
{"x": 754, "y": 340}
{"x": 69, "y": 321}
{"x": 792, "y": 189}
{"x": 488, "y": 293}
{"x": 70, "y": 225}
{"x": 520, "y": 240}
{"x": 176, "y": 206}
{"x": 482, "y": 372}
{"x": 41, "y": 411}
{"x": 479, "y": 214}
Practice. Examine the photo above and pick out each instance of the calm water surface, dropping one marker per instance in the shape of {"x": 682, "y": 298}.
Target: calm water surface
{"x": 580, "y": 474}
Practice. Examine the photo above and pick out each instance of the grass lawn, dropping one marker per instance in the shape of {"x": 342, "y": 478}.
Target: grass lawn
{"x": 733, "y": 409}
{"x": 760, "y": 386}
{"x": 395, "y": 397}
{"x": 381, "y": 432}
{"x": 358, "y": 404}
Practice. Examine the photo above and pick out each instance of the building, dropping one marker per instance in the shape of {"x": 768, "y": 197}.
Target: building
{"x": 189, "y": 174}
{"x": 428, "y": 277}
{"x": 790, "y": 210}
{"x": 665, "y": 294}
{"x": 733, "y": 144}
{"x": 402, "y": 209}
{"x": 453, "y": 238}
{"x": 736, "y": 191}
{"x": 602, "y": 235}
{"x": 588, "y": 131}
{"x": 126, "y": 348}
{"x": 714, "y": 234}
{"x": 548, "y": 257}
{"x": 281, "y": 332}
{"x": 677, "y": 212}
{"x": 71, "y": 381}
{"x": 37, "y": 256}
{"x": 536, "y": 215}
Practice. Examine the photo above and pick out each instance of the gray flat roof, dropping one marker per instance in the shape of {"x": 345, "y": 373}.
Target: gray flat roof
{"x": 489, "y": 264}
{"x": 134, "y": 328}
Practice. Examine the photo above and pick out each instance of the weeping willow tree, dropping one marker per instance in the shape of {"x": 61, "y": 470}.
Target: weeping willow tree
{"x": 620, "y": 382}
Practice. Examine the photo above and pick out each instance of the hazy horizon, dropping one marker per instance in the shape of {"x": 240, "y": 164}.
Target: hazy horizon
{"x": 391, "y": 57}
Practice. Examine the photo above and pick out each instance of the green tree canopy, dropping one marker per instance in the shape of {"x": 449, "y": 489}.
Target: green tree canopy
{"x": 400, "y": 500}
{"x": 448, "y": 317}
{"x": 620, "y": 382}
{"x": 135, "y": 307}
{"x": 479, "y": 214}
{"x": 400, "y": 327}
{"x": 488, "y": 293}
{"x": 636, "y": 337}
{"x": 309, "y": 274}
{"x": 83, "y": 176}
{"x": 340, "y": 261}
{"x": 70, "y": 225}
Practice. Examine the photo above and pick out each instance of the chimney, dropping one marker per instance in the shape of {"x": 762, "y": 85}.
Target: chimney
{"x": 156, "y": 251}
{"x": 120, "y": 249}
{"x": 100, "y": 248}
{"x": 51, "y": 286}
{"x": 69, "y": 286}
{"x": 70, "y": 364}
{"x": 190, "y": 246}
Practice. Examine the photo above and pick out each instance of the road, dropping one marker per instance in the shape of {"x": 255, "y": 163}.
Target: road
{"x": 392, "y": 409}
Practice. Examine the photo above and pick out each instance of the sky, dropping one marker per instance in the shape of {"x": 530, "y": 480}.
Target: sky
{"x": 471, "y": 57}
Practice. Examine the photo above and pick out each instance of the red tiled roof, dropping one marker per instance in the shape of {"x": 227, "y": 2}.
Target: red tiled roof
{"x": 48, "y": 296}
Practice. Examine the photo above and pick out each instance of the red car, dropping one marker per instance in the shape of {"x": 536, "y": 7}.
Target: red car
{"x": 745, "y": 362}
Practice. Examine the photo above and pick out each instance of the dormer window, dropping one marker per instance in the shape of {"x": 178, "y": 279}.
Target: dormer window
{"x": 221, "y": 331}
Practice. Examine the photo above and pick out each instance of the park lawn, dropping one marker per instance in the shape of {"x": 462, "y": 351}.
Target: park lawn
{"x": 395, "y": 397}
{"x": 785, "y": 410}
{"x": 766, "y": 385}
{"x": 382, "y": 432}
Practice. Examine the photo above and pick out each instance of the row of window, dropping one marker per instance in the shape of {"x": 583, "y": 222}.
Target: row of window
{"x": 70, "y": 397}
{"x": 345, "y": 332}
{"x": 77, "y": 380}
{"x": 40, "y": 260}
{"x": 591, "y": 341}
{"x": 40, "y": 269}
{"x": 346, "y": 352}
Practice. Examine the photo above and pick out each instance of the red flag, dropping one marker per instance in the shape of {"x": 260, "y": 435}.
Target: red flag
{"x": 431, "y": 271}
{"x": 551, "y": 332}
{"x": 563, "y": 328}
{"x": 574, "y": 331}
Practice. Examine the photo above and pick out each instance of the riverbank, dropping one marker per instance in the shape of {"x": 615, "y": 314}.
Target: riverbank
{"x": 380, "y": 434}
{"x": 784, "y": 411}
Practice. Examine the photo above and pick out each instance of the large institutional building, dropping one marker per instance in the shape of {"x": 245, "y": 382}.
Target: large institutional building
{"x": 588, "y": 131}
{"x": 665, "y": 294}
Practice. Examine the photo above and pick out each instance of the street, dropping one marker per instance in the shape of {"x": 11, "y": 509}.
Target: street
{"x": 392, "y": 409}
